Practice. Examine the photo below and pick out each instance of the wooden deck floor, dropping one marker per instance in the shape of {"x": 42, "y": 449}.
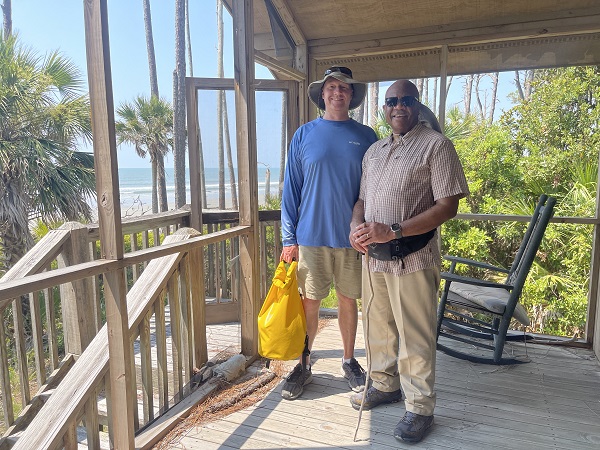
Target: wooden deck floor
{"x": 552, "y": 402}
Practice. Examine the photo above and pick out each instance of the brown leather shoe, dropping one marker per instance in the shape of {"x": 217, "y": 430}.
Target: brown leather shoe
{"x": 374, "y": 397}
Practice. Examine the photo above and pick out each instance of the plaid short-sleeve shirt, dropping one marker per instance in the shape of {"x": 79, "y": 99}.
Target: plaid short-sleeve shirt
{"x": 402, "y": 179}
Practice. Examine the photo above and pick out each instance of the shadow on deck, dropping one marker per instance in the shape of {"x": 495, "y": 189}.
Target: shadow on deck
{"x": 551, "y": 402}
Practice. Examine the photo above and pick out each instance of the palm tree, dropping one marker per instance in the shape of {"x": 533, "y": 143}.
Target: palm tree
{"x": 148, "y": 125}
{"x": 7, "y": 13}
{"x": 179, "y": 137}
{"x": 158, "y": 160}
{"x": 191, "y": 73}
{"x": 150, "y": 49}
{"x": 43, "y": 118}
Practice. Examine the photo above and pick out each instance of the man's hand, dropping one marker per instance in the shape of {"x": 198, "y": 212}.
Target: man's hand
{"x": 289, "y": 253}
{"x": 369, "y": 233}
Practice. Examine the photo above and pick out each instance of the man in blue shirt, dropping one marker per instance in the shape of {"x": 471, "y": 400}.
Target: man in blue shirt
{"x": 321, "y": 186}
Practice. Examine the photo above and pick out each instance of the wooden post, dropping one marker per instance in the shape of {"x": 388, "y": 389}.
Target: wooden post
{"x": 77, "y": 297}
{"x": 109, "y": 218}
{"x": 592, "y": 324}
{"x": 195, "y": 261}
{"x": 191, "y": 99}
{"x": 245, "y": 109}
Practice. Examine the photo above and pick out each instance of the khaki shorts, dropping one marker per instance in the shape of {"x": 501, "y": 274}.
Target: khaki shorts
{"x": 319, "y": 266}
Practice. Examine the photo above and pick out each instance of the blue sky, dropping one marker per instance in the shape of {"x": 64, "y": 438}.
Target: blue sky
{"x": 46, "y": 26}
{"x": 58, "y": 25}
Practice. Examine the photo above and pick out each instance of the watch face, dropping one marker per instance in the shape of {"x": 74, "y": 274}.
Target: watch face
{"x": 395, "y": 227}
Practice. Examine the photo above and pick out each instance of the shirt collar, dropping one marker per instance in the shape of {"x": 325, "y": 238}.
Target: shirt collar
{"x": 413, "y": 130}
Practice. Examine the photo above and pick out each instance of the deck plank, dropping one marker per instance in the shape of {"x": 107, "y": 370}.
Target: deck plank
{"x": 551, "y": 402}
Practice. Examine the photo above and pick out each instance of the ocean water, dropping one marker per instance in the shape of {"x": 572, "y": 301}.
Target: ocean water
{"x": 135, "y": 188}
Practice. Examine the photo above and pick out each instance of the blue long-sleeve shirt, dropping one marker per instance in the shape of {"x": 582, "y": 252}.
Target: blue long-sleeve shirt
{"x": 322, "y": 182}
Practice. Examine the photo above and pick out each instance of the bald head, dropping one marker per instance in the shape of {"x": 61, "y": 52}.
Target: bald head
{"x": 401, "y": 88}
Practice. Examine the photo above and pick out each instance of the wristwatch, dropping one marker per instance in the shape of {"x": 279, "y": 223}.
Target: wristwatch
{"x": 397, "y": 230}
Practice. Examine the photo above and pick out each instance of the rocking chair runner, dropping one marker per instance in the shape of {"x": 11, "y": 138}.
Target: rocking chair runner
{"x": 497, "y": 302}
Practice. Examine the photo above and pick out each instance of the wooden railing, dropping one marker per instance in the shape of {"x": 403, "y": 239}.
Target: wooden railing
{"x": 57, "y": 313}
{"x": 173, "y": 277}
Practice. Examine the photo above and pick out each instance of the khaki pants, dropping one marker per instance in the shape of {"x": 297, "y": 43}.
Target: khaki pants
{"x": 401, "y": 334}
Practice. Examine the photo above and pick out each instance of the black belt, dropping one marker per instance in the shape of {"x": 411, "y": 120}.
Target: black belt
{"x": 398, "y": 249}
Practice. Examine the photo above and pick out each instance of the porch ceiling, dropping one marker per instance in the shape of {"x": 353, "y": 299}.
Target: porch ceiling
{"x": 388, "y": 39}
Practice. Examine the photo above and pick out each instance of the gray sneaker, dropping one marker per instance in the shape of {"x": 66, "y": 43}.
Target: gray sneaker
{"x": 355, "y": 375}
{"x": 412, "y": 427}
{"x": 374, "y": 397}
{"x": 295, "y": 382}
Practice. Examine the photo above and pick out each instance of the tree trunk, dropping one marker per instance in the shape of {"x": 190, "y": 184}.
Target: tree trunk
{"x": 16, "y": 239}
{"x": 450, "y": 78}
{"x": 179, "y": 104}
{"x": 373, "y": 103}
{"x": 163, "y": 202}
{"x": 150, "y": 49}
{"x": 267, "y": 184}
{"x": 435, "y": 94}
{"x": 232, "y": 183}
{"x": 359, "y": 113}
{"x": 420, "y": 88}
{"x": 158, "y": 173}
{"x": 283, "y": 147}
{"x": 529, "y": 74}
{"x": 481, "y": 110}
{"x": 202, "y": 172}
{"x": 7, "y": 13}
{"x": 220, "y": 96}
{"x": 426, "y": 91}
{"x": 200, "y": 152}
{"x": 518, "y": 84}
{"x": 220, "y": 150}
{"x": 468, "y": 93}
{"x": 154, "y": 183}
{"x": 494, "y": 94}
{"x": 188, "y": 38}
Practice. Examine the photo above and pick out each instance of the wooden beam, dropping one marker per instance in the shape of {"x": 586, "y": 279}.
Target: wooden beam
{"x": 243, "y": 44}
{"x": 557, "y": 51}
{"x": 214, "y": 84}
{"x": 194, "y": 139}
{"x": 141, "y": 224}
{"x": 21, "y": 286}
{"x": 458, "y": 34}
{"x": 592, "y": 323}
{"x": 76, "y": 299}
{"x": 276, "y": 66}
{"x": 289, "y": 21}
{"x": 109, "y": 215}
{"x": 40, "y": 256}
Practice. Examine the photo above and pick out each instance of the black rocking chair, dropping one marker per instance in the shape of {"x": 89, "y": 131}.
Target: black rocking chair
{"x": 495, "y": 304}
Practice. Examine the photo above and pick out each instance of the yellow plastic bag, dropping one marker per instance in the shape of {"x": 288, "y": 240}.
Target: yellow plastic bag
{"x": 281, "y": 321}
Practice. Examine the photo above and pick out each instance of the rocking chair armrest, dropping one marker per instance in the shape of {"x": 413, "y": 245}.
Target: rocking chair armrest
{"x": 471, "y": 262}
{"x": 450, "y": 277}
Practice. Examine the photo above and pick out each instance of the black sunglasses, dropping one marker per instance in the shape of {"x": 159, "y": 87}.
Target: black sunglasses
{"x": 407, "y": 101}
{"x": 343, "y": 70}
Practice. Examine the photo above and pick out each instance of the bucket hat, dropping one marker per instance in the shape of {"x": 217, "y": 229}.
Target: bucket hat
{"x": 342, "y": 74}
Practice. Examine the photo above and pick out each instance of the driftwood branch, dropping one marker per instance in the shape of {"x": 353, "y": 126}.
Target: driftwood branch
{"x": 262, "y": 380}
